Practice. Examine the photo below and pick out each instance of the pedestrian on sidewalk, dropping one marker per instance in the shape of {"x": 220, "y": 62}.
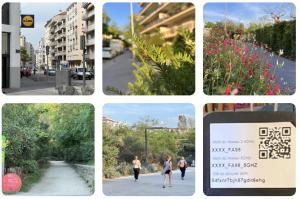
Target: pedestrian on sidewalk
{"x": 167, "y": 171}
{"x": 182, "y": 164}
{"x": 136, "y": 168}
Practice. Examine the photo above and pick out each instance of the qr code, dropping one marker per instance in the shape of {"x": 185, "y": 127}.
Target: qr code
{"x": 275, "y": 143}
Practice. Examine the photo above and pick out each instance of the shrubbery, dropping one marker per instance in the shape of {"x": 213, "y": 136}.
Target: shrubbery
{"x": 279, "y": 36}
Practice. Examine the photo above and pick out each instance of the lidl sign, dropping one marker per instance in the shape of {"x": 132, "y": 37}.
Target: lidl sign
{"x": 27, "y": 21}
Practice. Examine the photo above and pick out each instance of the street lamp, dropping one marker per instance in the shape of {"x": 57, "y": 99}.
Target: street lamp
{"x": 47, "y": 53}
{"x": 82, "y": 47}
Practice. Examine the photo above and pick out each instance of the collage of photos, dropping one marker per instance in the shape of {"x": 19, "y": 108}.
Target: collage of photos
{"x": 161, "y": 118}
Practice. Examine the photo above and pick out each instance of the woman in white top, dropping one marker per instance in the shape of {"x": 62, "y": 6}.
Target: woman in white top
{"x": 136, "y": 168}
{"x": 167, "y": 171}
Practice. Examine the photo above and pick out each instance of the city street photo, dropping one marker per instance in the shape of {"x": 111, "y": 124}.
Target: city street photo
{"x": 48, "y": 48}
{"x": 148, "y": 149}
{"x": 249, "y": 49}
{"x": 148, "y": 48}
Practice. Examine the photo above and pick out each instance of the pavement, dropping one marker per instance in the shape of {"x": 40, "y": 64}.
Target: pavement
{"x": 117, "y": 72}
{"x": 60, "y": 179}
{"x": 151, "y": 185}
{"x": 287, "y": 72}
{"x": 41, "y": 85}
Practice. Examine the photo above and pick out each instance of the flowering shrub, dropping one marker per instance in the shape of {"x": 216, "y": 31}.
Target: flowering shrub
{"x": 235, "y": 67}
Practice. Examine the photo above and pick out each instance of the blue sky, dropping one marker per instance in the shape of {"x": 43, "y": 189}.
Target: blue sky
{"x": 119, "y": 12}
{"x": 132, "y": 113}
{"x": 244, "y": 12}
{"x": 42, "y": 13}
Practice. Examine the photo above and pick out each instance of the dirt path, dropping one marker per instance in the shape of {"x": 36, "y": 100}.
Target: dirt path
{"x": 59, "y": 180}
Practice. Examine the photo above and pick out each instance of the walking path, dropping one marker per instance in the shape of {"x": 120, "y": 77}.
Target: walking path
{"x": 151, "y": 185}
{"x": 60, "y": 179}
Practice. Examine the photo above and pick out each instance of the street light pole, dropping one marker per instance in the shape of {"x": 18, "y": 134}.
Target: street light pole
{"x": 132, "y": 29}
{"x": 47, "y": 53}
{"x": 82, "y": 47}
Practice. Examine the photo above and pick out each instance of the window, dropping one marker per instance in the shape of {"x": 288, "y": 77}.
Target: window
{"x": 5, "y": 13}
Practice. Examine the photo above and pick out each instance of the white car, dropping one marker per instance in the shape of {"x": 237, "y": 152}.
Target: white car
{"x": 108, "y": 53}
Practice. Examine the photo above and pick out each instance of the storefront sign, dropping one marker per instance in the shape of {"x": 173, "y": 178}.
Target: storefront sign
{"x": 27, "y": 21}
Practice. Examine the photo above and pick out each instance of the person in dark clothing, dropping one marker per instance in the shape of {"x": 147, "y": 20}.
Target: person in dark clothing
{"x": 182, "y": 164}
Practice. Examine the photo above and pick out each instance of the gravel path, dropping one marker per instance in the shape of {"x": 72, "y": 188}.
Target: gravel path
{"x": 59, "y": 180}
{"x": 151, "y": 185}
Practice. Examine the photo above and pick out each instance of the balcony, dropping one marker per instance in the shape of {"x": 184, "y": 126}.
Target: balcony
{"x": 154, "y": 13}
{"x": 90, "y": 42}
{"x": 60, "y": 53}
{"x": 169, "y": 18}
{"x": 90, "y": 27}
{"x": 89, "y": 14}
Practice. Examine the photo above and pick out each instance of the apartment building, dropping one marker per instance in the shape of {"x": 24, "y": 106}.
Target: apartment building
{"x": 166, "y": 18}
{"x": 74, "y": 29}
{"x": 89, "y": 18}
{"x": 11, "y": 45}
{"x": 40, "y": 54}
{"x": 55, "y": 34}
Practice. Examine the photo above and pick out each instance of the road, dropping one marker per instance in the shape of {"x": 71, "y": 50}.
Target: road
{"x": 60, "y": 179}
{"x": 118, "y": 72}
{"x": 151, "y": 185}
{"x": 40, "y": 85}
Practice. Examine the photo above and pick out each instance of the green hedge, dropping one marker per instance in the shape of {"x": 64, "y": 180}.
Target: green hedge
{"x": 279, "y": 36}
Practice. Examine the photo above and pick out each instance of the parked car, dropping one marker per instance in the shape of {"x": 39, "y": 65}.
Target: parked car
{"x": 113, "y": 48}
{"x": 78, "y": 74}
{"x": 117, "y": 45}
{"x": 108, "y": 53}
{"x": 52, "y": 72}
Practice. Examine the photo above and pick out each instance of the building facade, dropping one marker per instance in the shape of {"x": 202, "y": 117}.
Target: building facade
{"x": 55, "y": 38}
{"x": 74, "y": 29}
{"x": 167, "y": 18}
{"x": 89, "y": 18}
{"x": 41, "y": 55}
{"x": 11, "y": 45}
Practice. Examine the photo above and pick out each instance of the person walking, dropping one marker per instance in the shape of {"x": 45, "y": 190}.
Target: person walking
{"x": 167, "y": 171}
{"x": 136, "y": 168}
{"x": 182, "y": 164}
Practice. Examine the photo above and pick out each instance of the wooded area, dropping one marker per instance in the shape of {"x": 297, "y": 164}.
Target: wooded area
{"x": 37, "y": 133}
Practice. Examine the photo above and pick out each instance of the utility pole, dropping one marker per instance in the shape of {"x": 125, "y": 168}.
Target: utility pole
{"x": 132, "y": 29}
{"x": 47, "y": 53}
{"x": 82, "y": 47}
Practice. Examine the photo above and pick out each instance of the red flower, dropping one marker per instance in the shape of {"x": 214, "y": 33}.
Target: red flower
{"x": 250, "y": 72}
{"x": 277, "y": 89}
{"x": 228, "y": 90}
{"x": 237, "y": 50}
{"x": 273, "y": 77}
{"x": 268, "y": 65}
{"x": 270, "y": 92}
{"x": 225, "y": 43}
{"x": 233, "y": 42}
{"x": 267, "y": 73}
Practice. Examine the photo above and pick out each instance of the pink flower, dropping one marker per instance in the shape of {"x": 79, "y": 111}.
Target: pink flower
{"x": 267, "y": 73}
{"x": 235, "y": 91}
{"x": 268, "y": 65}
{"x": 261, "y": 77}
{"x": 225, "y": 43}
{"x": 277, "y": 89}
{"x": 237, "y": 50}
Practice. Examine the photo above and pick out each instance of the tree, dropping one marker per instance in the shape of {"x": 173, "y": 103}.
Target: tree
{"x": 163, "y": 69}
{"x": 24, "y": 56}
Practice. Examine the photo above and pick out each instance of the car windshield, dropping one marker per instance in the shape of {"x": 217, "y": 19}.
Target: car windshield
{"x": 80, "y": 69}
